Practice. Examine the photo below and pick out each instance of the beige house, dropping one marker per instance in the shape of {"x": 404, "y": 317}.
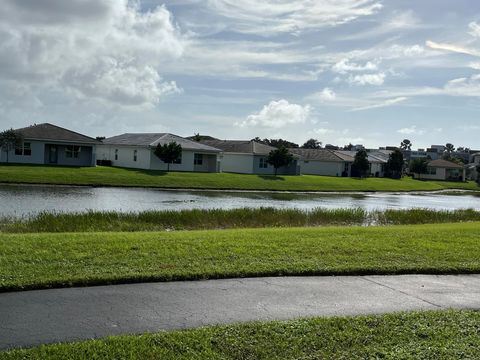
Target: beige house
{"x": 443, "y": 170}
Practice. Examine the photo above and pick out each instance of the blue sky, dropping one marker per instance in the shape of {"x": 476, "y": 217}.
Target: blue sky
{"x": 361, "y": 71}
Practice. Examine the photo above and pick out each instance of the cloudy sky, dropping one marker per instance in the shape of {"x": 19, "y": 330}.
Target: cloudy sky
{"x": 361, "y": 71}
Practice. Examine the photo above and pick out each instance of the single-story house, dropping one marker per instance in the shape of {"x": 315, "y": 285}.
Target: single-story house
{"x": 322, "y": 162}
{"x": 51, "y": 144}
{"x": 137, "y": 151}
{"x": 473, "y": 166}
{"x": 443, "y": 170}
{"x": 248, "y": 157}
{"x": 378, "y": 160}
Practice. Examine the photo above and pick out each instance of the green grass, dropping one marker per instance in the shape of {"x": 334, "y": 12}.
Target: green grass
{"x": 225, "y": 219}
{"x": 419, "y": 335}
{"x": 30, "y": 261}
{"x": 107, "y": 176}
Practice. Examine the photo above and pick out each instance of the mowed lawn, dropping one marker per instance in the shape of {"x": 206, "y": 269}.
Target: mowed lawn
{"x": 108, "y": 176}
{"x": 65, "y": 259}
{"x": 420, "y": 335}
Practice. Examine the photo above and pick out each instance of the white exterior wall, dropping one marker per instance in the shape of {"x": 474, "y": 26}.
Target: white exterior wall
{"x": 237, "y": 163}
{"x": 186, "y": 165}
{"x": 125, "y": 156}
{"x": 323, "y": 168}
{"x": 440, "y": 175}
{"x": 377, "y": 167}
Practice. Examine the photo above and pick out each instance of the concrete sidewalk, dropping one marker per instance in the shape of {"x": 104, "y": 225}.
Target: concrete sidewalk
{"x": 45, "y": 316}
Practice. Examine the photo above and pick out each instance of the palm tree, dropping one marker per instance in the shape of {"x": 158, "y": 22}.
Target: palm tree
{"x": 406, "y": 144}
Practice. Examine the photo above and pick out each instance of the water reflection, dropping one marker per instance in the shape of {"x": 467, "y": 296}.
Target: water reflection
{"x": 22, "y": 200}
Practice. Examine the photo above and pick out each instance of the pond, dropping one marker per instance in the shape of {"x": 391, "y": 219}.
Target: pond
{"x": 25, "y": 200}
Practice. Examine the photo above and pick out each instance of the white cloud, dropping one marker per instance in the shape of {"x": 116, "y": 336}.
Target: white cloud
{"x": 367, "y": 79}
{"x": 323, "y": 131}
{"x": 270, "y": 17}
{"x": 327, "y": 94}
{"x": 452, "y": 48}
{"x": 278, "y": 114}
{"x": 464, "y": 86}
{"x": 412, "y": 130}
{"x": 388, "y": 102}
{"x": 475, "y": 29}
{"x": 344, "y": 66}
{"x": 106, "y": 50}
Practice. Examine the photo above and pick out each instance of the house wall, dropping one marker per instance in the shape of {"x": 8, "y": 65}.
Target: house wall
{"x": 209, "y": 163}
{"x": 37, "y": 156}
{"x": 125, "y": 156}
{"x": 186, "y": 164}
{"x": 323, "y": 168}
{"x": 237, "y": 163}
{"x": 86, "y": 156}
{"x": 440, "y": 175}
{"x": 377, "y": 168}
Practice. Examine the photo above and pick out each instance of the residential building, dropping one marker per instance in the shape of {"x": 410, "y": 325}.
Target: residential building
{"x": 322, "y": 162}
{"x": 50, "y": 144}
{"x": 248, "y": 157}
{"x": 136, "y": 150}
{"x": 377, "y": 159}
{"x": 443, "y": 170}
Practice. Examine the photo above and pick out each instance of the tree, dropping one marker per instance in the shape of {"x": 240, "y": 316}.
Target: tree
{"x": 169, "y": 153}
{"x": 419, "y": 166}
{"x": 348, "y": 147}
{"x": 196, "y": 137}
{"x": 449, "y": 148}
{"x": 395, "y": 163}
{"x": 9, "y": 139}
{"x": 406, "y": 145}
{"x": 360, "y": 164}
{"x": 478, "y": 175}
{"x": 312, "y": 144}
{"x": 278, "y": 143}
{"x": 279, "y": 157}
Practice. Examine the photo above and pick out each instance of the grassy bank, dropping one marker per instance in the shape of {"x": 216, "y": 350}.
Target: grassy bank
{"x": 226, "y": 219}
{"x": 107, "y": 176}
{"x": 420, "y": 335}
{"x": 56, "y": 260}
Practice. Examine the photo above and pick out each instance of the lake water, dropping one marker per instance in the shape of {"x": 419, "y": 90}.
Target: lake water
{"x": 24, "y": 200}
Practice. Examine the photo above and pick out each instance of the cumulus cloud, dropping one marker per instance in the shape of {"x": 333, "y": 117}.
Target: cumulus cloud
{"x": 412, "y": 130}
{"x": 103, "y": 49}
{"x": 367, "y": 79}
{"x": 278, "y": 114}
{"x": 327, "y": 94}
{"x": 286, "y": 16}
{"x": 344, "y": 66}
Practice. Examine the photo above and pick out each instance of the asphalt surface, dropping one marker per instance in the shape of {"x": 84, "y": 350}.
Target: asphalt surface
{"x": 46, "y": 316}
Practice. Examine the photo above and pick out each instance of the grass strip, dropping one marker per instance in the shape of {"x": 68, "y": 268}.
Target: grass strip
{"x": 199, "y": 219}
{"x": 29, "y": 261}
{"x": 109, "y": 176}
{"x": 419, "y": 335}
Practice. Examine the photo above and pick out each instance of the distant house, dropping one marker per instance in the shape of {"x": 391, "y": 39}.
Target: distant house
{"x": 137, "y": 151}
{"x": 378, "y": 160}
{"x": 51, "y": 144}
{"x": 443, "y": 170}
{"x": 322, "y": 162}
{"x": 248, "y": 157}
{"x": 473, "y": 166}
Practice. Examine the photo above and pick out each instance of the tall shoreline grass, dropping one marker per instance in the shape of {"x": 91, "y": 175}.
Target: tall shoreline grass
{"x": 200, "y": 219}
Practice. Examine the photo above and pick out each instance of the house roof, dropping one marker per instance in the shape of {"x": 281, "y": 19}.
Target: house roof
{"x": 153, "y": 139}
{"x": 317, "y": 154}
{"x": 240, "y": 146}
{"x": 50, "y": 132}
{"x": 373, "y": 157}
{"x": 440, "y": 163}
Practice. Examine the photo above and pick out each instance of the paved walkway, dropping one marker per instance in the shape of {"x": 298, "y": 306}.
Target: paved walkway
{"x": 45, "y": 316}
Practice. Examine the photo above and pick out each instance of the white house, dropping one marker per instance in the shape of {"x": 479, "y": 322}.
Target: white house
{"x": 443, "y": 170}
{"x": 322, "y": 162}
{"x": 248, "y": 157}
{"x": 137, "y": 151}
{"x": 378, "y": 160}
{"x": 53, "y": 145}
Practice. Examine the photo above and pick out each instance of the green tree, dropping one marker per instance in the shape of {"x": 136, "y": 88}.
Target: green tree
{"x": 406, "y": 144}
{"x": 395, "y": 163}
{"x": 312, "y": 144}
{"x": 279, "y": 157}
{"x": 9, "y": 139}
{"x": 361, "y": 165}
{"x": 278, "y": 143}
{"x": 169, "y": 153}
{"x": 478, "y": 175}
{"x": 196, "y": 137}
{"x": 419, "y": 166}
{"x": 449, "y": 148}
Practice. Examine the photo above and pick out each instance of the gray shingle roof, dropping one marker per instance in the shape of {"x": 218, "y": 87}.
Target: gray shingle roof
{"x": 240, "y": 146}
{"x": 153, "y": 139}
{"x": 440, "y": 163}
{"x": 49, "y": 132}
{"x": 317, "y": 154}
{"x": 373, "y": 157}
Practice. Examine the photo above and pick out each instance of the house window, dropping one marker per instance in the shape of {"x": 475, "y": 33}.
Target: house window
{"x": 72, "y": 151}
{"x": 198, "y": 159}
{"x": 116, "y": 154}
{"x": 23, "y": 149}
{"x": 263, "y": 163}
{"x": 432, "y": 171}
{"x": 134, "y": 155}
